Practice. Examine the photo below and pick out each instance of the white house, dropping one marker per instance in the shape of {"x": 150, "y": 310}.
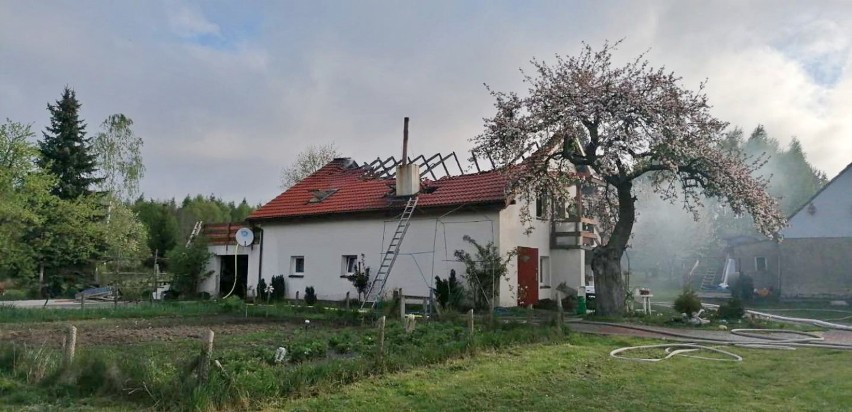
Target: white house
{"x": 314, "y": 231}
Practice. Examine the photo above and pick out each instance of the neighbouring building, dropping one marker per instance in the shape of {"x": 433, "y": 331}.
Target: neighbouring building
{"x": 316, "y": 231}
{"x": 814, "y": 259}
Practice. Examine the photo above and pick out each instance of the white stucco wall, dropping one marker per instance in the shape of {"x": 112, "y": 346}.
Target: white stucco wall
{"x": 511, "y": 237}
{"x": 568, "y": 265}
{"x": 832, "y": 217}
{"x": 426, "y": 252}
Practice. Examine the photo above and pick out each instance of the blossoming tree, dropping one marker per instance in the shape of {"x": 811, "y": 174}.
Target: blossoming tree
{"x": 618, "y": 123}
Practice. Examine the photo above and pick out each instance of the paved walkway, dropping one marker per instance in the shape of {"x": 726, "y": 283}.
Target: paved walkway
{"x": 830, "y": 336}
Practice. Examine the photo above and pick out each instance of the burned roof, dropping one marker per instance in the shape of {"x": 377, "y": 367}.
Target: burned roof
{"x": 352, "y": 188}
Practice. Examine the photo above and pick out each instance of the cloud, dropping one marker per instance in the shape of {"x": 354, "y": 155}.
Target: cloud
{"x": 190, "y": 23}
{"x": 213, "y": 85}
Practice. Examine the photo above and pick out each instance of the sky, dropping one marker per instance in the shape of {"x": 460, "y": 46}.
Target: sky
{"x": 226, "y": 93}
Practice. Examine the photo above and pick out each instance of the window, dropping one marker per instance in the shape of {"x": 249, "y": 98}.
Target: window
{"x": 349, "y": 264}
{"x": 760, "y": 264}
{"x": 541, "y": 205}
{"x": 297, "y": 265}
{"x": 544, "y": 271}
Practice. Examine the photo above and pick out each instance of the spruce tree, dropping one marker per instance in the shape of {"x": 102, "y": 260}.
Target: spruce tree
{"x": 66, "y": 151}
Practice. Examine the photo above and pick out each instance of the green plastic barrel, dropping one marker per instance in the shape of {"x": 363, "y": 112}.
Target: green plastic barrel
{"x": 581, "y": 305}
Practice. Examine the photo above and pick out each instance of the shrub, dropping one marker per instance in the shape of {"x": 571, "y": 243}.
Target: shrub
{"x": 341, "y": 343}
{"x": 188, "y": 266}
{"x": 279, "y": 288}
{"x": 450, "y": 292}
{"x": 261, "y": 290}
{"x": 484, "y": 269}
{"x": 232, "y": 303}
{"x": 732, "y": 309}
{"x": 310, "y": 295}
{"x": 687, "y": 302}
{"x": 743, "y": 288}
{"x": 307, "y": 350}
{"x": 361, "y": 278}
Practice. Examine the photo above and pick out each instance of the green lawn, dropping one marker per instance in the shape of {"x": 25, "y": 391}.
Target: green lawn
{"x": 139, "y": 358}
{"x": 582, "y": 376}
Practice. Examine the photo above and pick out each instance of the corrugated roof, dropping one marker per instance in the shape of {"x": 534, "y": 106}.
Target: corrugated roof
{"x": 355, "y": 193}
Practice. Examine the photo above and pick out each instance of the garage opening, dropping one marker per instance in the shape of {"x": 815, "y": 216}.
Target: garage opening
{"x": 226, "y": 276}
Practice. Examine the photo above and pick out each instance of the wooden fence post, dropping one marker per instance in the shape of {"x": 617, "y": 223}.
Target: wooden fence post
{"x": 470, "y": 322}
{"x": 560, "y": 316}
{"x": 347, "y": 300}
{"x": 382, "y": 337}
{"x": 206, "y": 354}
{"x": 70, "y": 345}
{"x": 530, "y": 313}
{"x": 401, "y": 305}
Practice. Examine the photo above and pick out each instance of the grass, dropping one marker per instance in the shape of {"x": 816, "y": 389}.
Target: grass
{"x": 336, "y": 364}
{"x": 582, "y": 376}
{"x": 158, "y": 374}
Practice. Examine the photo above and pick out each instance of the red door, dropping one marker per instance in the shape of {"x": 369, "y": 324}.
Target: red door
{"x": 527, "y": 276}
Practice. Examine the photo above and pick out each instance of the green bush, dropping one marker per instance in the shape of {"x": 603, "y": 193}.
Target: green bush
{"x": 361, "y": 278}
{"x": 279, "y": 288}
{"x": 733, "y": 309}
{"x": 261, "y": 290}
{"x": 687, "y": 302}
{"x": 188, "y": 266}
{"x": 310, "y": 296}
{"x": 231, "y": 304}
{"x": 303, "y": 351}
{"x": 341, "y": 343}
{"x": 450, "y": 292}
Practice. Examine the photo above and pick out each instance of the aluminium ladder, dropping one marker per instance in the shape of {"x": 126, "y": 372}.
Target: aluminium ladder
{"x": 195, "y": 231}
{"x": 377, "y": 286}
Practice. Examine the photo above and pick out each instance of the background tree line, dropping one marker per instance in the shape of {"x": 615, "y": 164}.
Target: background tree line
{"x": 70, "y": 202}
{"x": 667, "y": 236}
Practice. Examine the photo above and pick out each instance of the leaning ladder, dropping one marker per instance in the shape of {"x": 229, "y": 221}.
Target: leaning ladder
{"x": 195, "y": 231}
{"x": 378, "y": 285}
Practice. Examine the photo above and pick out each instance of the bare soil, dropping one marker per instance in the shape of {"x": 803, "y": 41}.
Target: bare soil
{"x": 133, "y": 331}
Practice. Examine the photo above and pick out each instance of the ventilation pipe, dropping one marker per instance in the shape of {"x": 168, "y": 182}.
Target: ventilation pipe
{"x": 405, "y": 142}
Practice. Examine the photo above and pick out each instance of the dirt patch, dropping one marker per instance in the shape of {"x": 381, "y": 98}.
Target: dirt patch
{"x": 133, "y": 331}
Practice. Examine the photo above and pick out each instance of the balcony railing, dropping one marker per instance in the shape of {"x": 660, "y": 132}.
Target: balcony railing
{"x": 574, "y": 233}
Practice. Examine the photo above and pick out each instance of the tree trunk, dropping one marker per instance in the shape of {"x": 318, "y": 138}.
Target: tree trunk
{"x": 606, "y": 259}
{"x": 609, "y": 284}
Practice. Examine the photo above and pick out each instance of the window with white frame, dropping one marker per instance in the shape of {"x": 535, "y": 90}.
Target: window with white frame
{"x": 544, "y": 271}
{"x": 348, "y": 264}
{"x": 760, "y": 264}
{"x": 297, "y": 265}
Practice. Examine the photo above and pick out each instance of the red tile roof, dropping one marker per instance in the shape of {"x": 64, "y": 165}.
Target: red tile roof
{"x": 357, "y": 193}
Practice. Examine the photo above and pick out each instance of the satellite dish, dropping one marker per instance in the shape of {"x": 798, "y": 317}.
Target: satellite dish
{"x": 244, "y": 236}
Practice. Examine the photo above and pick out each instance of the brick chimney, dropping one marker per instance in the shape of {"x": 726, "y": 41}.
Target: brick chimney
{"x": 407, "y": 174}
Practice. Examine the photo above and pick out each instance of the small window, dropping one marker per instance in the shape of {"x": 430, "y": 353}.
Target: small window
{"x": 760, "y": 264}
{"x": 544, "y": 271}
{"x": 297, "y": 265}
{"x": 350, "y": 263}
{"x": 541, "y": 205}
{"x": 320, "y": 195}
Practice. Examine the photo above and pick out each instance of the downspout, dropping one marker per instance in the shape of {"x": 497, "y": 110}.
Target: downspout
{"x": 778, "y": 262}
{"x": 260, "y": 263}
